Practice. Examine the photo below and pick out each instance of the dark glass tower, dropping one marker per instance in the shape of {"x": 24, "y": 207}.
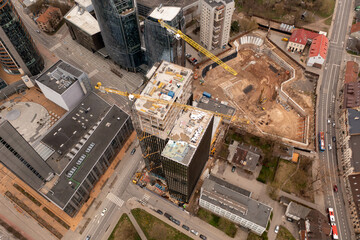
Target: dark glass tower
{"x": 120, "y": 31}
{"x": 18, "y": 42}
{"x": 159, "y": 43}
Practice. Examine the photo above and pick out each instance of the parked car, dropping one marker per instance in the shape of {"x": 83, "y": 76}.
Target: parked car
{"x": 329, "y": 146}
{"x": 103, "y": 211}
{"x": 277, "y": 229}
{"x": 188, "y": 55}
{"x": 203, "y": 237}
{"x": 38, "y": 31}
{"x": 133, "y": 151}
{"x": 329, "y": 121}
{"x": 194, "y": 232}
{"x": 334, "y": 139}
{"x": 185, "y": 227}
{"x": 168, "y": 216}
{"x": 333, "y": 124}
{"x": 159, "y": 212}
{"x": 289, "y": 219}
{"x": 177, "y": 222}
{"x": 335, "y": 188}
{"x": 233, "y": 169}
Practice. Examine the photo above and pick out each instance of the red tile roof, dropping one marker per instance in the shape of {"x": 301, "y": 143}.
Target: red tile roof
{"x": 47, "y": 15}
{"x": 355, "y": 27}
{"x": 319, "y": 46}
{"x": 301, "y": 36}
{"x": 351, "y": 72}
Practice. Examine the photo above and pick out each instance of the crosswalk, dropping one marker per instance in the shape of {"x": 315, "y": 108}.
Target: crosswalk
{"x": 145, "y": 199}
{"x": 115, "y": 199}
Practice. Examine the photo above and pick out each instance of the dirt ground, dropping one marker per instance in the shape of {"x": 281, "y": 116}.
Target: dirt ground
{"x": 262, "y": 77}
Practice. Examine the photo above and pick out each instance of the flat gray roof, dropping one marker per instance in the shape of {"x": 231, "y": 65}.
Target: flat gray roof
{"x": 226, "y": 196}
{"x": 354, "y": 121}
{"x": 215, "y": 106}
{"x": 355, "y": 158}
{"x": 112, "y": 122}
{"x": 155, "y": 3}
{"x": 83, "y": 20}
{"x": 165, "y": 13}
{"x": 53, "y": 78}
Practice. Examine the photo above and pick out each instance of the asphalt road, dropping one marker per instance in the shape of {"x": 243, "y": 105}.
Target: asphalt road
{"x": 326, "y": 110}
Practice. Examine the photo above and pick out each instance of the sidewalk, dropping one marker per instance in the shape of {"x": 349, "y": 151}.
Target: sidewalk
{"x": 136, "y": 225}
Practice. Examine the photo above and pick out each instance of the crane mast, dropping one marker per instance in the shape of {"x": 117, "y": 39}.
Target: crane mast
{"x": 178, "y": 34}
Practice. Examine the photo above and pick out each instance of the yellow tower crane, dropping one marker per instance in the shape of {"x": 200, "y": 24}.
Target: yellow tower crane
{"x": 178, "y": 34}
{"x": 133, "y": 96}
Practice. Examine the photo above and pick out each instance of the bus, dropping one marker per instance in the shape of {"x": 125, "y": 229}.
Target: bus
{"x": 321, "y": 141}
{"x": 334, "y": 231}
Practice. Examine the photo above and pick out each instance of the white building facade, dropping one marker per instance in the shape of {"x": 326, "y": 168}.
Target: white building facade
{"x": 215, "y": 22}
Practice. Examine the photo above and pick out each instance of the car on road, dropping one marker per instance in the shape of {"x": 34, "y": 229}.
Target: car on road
{"x": 103, "y": 211}
{"x": 277, "y": 229}
{"x": 335, "y": 188}
{"x": 329, "y": 121}
{"x": 38, "y": 31}
{"x": 203, "y": 237}
{"x": 87, "y": 237}
{"x": 185, "y": 227}
{"x": 133, "y": 151}
{"x": 329, "y": 146}
{"x": 194, "y": 232}
{"x": 334, "y": 139}
{"x": 333, "y": 124}
{"x": 159, "y": 212}
{"x": 233, "y": 169}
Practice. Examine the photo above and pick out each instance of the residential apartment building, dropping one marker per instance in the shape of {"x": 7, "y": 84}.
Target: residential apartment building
{"x": 18, "y": 53}
{"x": 120, "y": 31}
{"x": 49, "y": 20}
{"x": 64, "y": 85}
{"x": 235, "y": 204}
{"x": 215, "y": 22}
{"x": 159, "y": 43}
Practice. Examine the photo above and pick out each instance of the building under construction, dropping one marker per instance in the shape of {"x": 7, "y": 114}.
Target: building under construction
{"x": 175, "y": 141}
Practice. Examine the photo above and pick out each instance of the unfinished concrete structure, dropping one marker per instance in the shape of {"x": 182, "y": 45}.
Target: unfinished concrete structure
{"x": 175, "y": 141}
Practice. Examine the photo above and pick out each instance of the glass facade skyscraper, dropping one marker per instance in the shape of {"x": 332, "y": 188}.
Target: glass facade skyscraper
{"x": 159, "y": 43}
{"x": 120, "y": 31}
{"x": 18, "y": 42}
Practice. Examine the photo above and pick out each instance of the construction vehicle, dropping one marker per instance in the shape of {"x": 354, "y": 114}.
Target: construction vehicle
{"x": 285, "y": 39}
{"x": 136, "y": 178}
{"x": 178, "y": 34}
{"x": 133, "y": 96}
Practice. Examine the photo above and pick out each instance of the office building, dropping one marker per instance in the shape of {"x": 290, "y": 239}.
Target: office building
{"x": 187, "y": 152}
{"x": 64, "y": 84}
{"x": 154, "y": 121}
{"x": 159, "y": 43}
{"x": 120, "y": 31}
{"x": 84, "y": 28}
{"x": 235, "y": 204}
{"x": 215, "y": 22}
{"x": 19, "y": 156}
{"x": 16, "y": 43}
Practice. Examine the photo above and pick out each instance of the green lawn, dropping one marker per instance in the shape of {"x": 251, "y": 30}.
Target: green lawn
{"x": 220, "y": 223}
{"x": 284, "y": 234}
{"x": 253, "y": 236}
{"x": 268, "y": 170}
{"x": 124, "y": 230}
{"x": 155, "y": 229}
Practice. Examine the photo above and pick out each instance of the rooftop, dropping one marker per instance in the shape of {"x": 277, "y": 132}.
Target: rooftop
{"x": 166, "y": 84}
{"x": 155, "y": 3}
{"x": 297, "y": 210}
{"x": 231, "y": 198}
{"x": 60, "y": 76}
{"x": 165, "y": 13}
{"x": 301, "y": 36}
{"x": 354, "y": 121}
{"x": 48, "y": 14}
{"x": 186, "y": 135}
{"x": 246, "y": 156}
{"x": 319, "y": 46}
{"x": 68, "y": 135}
{"x": 351, "y": 72}
{"x": 355, "y": 158}
{"x": 83, "y": 19}
{"x": 215, "y": 106}
{"x": 106, "y": 122}
{"x": 354, "y": 180}
{"x": 352, "y": 95}
{"x": 84, "y": 3}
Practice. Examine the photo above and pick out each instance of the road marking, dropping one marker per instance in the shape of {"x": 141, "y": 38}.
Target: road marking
{"x": 55, "y": 47}
{"x": 93, "y": 73}
{"x": 115, "y": 199}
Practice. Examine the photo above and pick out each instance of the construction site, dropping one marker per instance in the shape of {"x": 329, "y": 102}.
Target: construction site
{"x": 263, "y": 91}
